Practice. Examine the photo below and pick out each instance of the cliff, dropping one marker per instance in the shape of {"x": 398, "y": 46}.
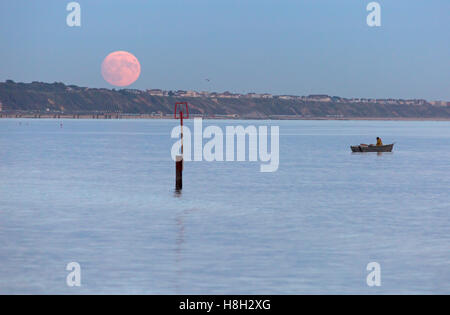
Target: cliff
{"x": 70, "y": 99}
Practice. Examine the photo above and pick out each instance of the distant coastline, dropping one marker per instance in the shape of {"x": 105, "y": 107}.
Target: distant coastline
{"x": 57, "y": 100}
{"x": 149, "y": 117}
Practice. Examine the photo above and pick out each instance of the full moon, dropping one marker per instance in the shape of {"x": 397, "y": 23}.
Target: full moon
{"x": 121, "y": 68}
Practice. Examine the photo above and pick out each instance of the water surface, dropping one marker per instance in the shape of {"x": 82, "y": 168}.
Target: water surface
{"x": 100, "y": 193}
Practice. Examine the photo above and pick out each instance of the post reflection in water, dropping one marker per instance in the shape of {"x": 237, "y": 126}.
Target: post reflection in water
{"x": 180, "y": 240}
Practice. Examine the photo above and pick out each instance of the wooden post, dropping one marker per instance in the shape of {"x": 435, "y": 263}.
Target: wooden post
{"x": 179, "y": 173}
{"x": 179, "y": 164}
{"x": 181, "y": 121}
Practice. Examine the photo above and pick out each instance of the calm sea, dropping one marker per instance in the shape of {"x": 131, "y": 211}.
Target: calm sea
{"x": 101, "y": 193}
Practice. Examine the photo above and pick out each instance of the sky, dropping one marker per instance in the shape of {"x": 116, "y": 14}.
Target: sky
{"x": 297, "y": 47}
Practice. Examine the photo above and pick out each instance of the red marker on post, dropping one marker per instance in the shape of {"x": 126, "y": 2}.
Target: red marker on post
{"x": 179, "y": 163}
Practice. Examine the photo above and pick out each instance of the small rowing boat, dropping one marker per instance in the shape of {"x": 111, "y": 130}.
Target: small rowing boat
{"x": 372, "y": 148}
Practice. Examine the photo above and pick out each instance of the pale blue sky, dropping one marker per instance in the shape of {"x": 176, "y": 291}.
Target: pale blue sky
{"x": 278, "y": 46}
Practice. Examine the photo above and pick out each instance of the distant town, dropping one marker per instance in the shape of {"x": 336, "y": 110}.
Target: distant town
{"x": 310, "y": 98}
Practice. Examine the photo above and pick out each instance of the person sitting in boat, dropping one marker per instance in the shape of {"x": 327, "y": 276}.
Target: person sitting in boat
{"x": 379, "y": 142}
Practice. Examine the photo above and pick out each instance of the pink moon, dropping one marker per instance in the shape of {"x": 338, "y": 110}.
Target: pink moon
{"x": 121, "y": 68}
